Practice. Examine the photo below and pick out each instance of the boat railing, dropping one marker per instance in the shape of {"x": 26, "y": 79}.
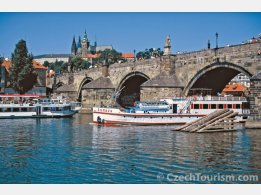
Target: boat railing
{"x": 218, "y": 98}
{"x": 246, "y": 111}
{"x": 32, "y": 104}
{"x": 16, "y": 104}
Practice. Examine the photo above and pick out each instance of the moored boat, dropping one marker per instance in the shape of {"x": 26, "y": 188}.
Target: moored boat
{"x": 32, "y": 107}
{"x": 170, "y": 111}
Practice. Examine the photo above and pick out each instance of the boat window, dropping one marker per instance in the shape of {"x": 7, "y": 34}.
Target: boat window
{"x": 59, "y": 109}
{"x": 23, "y": 109}
{"x": 220, "y": 106}
{"x": 238, "y": 106}
{"x": 229, "y": 106}
{"x": 15, "y": 109}
{"x": 213, "y": 106}
{"x": 205, "y": 106}
{"x": 31, "y": 110}
{"x": 67, "y": 108}
{"x": 196, "y": 106}
{"x": 1, "y": 110}
{"x": 7, "y": 110}
{"x": 45, "y": 109}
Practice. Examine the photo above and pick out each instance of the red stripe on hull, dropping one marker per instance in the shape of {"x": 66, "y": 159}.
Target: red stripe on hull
{"x": 137, "y": 123}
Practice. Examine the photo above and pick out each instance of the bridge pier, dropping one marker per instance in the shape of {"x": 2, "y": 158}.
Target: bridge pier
{"x": 165, "y": 85}
{"x": 97, "y": 93}
{"x": 255, "y": 97}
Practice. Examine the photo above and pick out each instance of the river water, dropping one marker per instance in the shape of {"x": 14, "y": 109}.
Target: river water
{"x": 73, "y": 151}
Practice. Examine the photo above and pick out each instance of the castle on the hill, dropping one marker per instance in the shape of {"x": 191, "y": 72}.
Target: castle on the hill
{"x": 83, "y": 47}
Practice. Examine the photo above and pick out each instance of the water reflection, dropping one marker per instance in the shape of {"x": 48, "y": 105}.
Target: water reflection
{"x": 72, "y": 151}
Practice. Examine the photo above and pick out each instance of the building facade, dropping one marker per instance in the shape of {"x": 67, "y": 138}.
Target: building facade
{"x": 241, "y": 79}
{"x": 51, "y": 58}
{"x": 39, "y": 87}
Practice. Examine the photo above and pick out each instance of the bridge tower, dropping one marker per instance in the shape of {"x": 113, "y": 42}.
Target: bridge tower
{"x": 167, "y": 46}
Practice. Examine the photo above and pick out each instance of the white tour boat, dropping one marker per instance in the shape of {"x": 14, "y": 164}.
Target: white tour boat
{"x": 75, "y": 106}
{"x": 30, "y": 107}
{"x": 170, "y": 111}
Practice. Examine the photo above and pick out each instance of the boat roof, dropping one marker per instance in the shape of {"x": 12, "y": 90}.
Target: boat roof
{"x": 152, "y": 103}
{"x": 148, "y": 109}
{"x": 19, "y": 95}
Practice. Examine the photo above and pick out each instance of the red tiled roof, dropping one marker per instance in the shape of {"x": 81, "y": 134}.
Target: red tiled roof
{"x": 37, "y": 65}
{"x": 90, "y": 56}
{"x": 234, "y": 88}
{"x": 127, "y": 55}
{"x": 7, "y": 64}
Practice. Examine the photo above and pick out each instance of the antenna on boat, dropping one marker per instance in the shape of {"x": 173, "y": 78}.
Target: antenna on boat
{"x": 117, "y": 93}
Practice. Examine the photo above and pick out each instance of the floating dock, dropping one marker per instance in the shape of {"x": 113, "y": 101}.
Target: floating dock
{"x": 220, "y": 120}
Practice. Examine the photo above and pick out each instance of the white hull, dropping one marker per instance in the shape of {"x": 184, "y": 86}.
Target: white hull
{"x": 11, "y": 115}
{"x": 147, "y": 119}
{"x": 35, "y": 111}
{"x": 115, "y": 116}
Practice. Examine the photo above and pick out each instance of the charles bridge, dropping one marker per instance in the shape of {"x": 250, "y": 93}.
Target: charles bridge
{"x": 166, "y": 76}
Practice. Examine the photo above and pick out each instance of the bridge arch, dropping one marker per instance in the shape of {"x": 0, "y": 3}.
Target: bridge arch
{"x": 128, "y": 89}
{"x": 83, "y": 82}
{"x": 215, "y": 76}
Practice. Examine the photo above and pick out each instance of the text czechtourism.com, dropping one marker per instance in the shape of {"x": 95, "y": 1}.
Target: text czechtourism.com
{"x": 200, "y": 177}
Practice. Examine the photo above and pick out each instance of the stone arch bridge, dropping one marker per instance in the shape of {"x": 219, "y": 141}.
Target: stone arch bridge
{"x": 166, "y": 76}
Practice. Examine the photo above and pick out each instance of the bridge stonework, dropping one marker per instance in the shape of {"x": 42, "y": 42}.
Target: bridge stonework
{"x": 245, "y": 56}
{"x": 187, "y": 67}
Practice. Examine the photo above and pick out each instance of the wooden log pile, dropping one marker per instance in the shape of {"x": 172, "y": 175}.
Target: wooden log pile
{"x": 220, "y": 120}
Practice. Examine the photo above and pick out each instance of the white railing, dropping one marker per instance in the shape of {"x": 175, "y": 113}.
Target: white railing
{"x": 218, "y": 98}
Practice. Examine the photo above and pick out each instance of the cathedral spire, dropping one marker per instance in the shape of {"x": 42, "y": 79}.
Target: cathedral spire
{"x": 73, "y": 48}
{"x": 85, "y": 35}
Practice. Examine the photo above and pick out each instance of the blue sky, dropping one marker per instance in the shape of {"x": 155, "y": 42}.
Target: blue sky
{"x": 53, "y": 32}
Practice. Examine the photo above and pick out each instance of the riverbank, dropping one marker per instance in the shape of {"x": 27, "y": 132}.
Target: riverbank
{"x": 251, "y": 124}
{"x": 85, "y": 111}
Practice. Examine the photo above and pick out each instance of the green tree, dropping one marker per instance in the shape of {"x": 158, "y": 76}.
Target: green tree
{"x": 22, "y": 75}
{"x": 46, "y": 64}
{"x": 148, "y": 53}
{"x": 77, "y": 63}
{"x": 109, "y": 56}
{"x": 139, "y": 55}
{"x": 64, "y": 67}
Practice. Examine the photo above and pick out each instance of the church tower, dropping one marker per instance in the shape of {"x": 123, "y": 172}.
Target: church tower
{"x": 85, "y": 44}
{"x": 79, "y": 47}
{"x": 167, "y": 46}
{"x": 73, "y": 48}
